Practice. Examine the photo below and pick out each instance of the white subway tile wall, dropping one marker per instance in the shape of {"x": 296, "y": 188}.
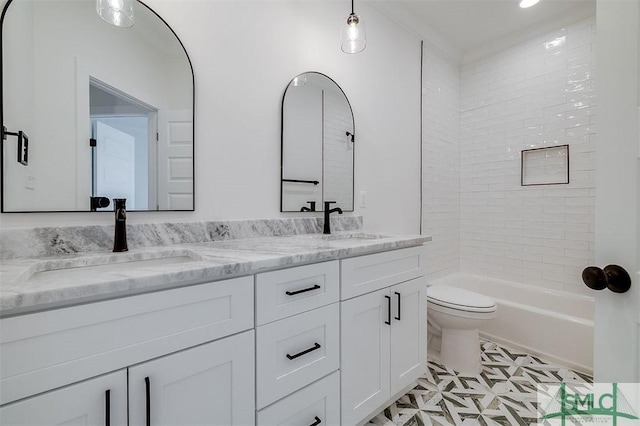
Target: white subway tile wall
{"x": 536, "y": 94}
{"x": 441, "y": 162}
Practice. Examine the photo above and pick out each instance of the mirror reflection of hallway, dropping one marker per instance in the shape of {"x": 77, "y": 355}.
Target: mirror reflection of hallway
{"x": 54, "y": 53}
{"x": 124, "y": 156}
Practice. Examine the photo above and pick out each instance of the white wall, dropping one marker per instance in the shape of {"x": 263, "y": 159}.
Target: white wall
{"x": 535, "y": 94}
{"x": 441, "y": 161}
{"x": 18, "y": 116}
{"x": 302, "y": 152}
{"x": 244, "y": 54}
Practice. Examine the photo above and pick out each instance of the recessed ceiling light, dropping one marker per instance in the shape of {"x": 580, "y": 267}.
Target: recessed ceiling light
{"x": 527, "y": 3}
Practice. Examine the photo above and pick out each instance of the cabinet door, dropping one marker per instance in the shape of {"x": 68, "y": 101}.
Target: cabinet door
{"x": 408, "y": 333}
{"x": 365, "y": 355}
{"x": 212, "y": 384}
{"x": 98, "y": 401}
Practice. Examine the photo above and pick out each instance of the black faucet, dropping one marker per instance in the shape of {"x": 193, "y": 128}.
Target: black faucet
{"x": 309, "y": 209}
{"x": 120, "y": 238}
{"x": 99, "y": 203}
{"x": 327, "y": 213}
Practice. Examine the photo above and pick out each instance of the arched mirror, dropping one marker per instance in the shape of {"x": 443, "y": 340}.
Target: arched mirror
{"x": 318, "y": 138}
{"x": 93, "y": 111}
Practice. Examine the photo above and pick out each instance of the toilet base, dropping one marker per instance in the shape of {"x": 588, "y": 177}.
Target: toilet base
{"x": 460, "y": 350}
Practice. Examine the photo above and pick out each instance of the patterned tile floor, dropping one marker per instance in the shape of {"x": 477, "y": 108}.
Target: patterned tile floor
{"x": 504, "y": 393}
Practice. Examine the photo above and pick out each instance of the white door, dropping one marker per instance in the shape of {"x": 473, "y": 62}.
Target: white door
{"x": 212, "y": 384}
{"x": 408, "y": 333}
{"x": 84, "y": 403}
{"x": 175, "y": 160}
{"x": 365, "y": 355}
{"x": 115, "y": 163}
{"x": 617, "y": 227}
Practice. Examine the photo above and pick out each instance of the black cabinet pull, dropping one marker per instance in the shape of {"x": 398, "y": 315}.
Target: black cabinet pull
{"x": 148, "y": 386}
{"x": 317, "y": 422}
{"x": 107, "y": 407}
{"x": 304, "y": 290}
{"x": 388, "y": 321}
{"x": 316, "y": 346}
{"x": 399, "y": 302}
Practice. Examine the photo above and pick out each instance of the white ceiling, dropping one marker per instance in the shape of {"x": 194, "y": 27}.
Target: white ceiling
{"x": 473, "y": 25}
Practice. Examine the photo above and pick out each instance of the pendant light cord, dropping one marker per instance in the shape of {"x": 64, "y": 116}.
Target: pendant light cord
{"x": 352, "y": 12}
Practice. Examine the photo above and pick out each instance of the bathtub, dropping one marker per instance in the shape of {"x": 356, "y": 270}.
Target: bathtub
{"x": 554, "y": 325}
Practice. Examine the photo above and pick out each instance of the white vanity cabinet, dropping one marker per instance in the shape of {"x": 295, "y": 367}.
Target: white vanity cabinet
{"x": 298, "y": 345}
{"x": 98, "y": 401}
{"x": 175, "y": 338}
{"x": 328, "y": 343}
{"x": 383, "y": 332}
{"x": 205, "y": 385}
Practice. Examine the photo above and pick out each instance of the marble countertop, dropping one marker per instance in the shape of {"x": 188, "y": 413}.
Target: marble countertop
{"x": 34, "y": 284}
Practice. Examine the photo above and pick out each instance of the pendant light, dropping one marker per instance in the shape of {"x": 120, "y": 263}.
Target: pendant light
{"x": 116, "y": 12}
{"x": 527, "y": 3}
{"x": 354, "y": 35}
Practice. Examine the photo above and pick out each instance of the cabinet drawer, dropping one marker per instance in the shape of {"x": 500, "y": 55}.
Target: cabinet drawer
{"x": 47, "y": 350}
{"x": 295, "y": 351}
{"x": 318, "y": 403}
{"x": 288, "y": 292}
{"x": 365, "y": 274}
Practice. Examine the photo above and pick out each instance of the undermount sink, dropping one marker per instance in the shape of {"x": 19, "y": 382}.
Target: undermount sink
{"x": 107, "y": 263}
{"x": 349, "y": 236}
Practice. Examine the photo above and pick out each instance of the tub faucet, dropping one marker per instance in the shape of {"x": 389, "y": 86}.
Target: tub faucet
{"x": 311, "y": 208}
{"x": 327, "y": 214}
{"x": 120, "y": 237}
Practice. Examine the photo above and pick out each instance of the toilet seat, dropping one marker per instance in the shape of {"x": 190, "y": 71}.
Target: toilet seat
{"x": 459, "y": 299}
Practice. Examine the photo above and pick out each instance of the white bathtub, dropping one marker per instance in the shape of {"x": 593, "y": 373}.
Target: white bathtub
{"x": 555, "y": 325}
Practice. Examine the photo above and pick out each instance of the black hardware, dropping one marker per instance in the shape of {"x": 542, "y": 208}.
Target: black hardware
{"x": 352, "y": 136}
{"x": 613, "y": 277}
{"x": 107, "y": 407}
{"x": 306, "y": 351}
{"x": 99, "y": 203}
{"x": 317, "y": 422}
{"x": 388, "y": 321}
{"x": 23, "y": 144}
{"x": 311, "y": 208}
{"x": 315, "y": 182}
{"x": 148, "y": 389}
{"x": 327, "y": 213}
{"x": 93, "y": 142}
{"x": 120, "y": 237}
{"x": 293, "y": 293}
{"x": 399, "y": 302}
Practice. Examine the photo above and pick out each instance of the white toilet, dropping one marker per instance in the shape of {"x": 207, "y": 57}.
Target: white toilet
{"x": 454, "y": 317}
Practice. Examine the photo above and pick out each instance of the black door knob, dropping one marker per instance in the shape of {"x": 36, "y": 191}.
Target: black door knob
{"x": 613, "y": 277}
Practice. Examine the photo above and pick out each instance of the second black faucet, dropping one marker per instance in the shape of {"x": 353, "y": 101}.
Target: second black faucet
{"x": 327, "y": 215}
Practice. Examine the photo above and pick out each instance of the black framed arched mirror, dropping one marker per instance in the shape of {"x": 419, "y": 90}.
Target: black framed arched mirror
{"x": 318, "y": 145}
{"x": 98, "y": 111}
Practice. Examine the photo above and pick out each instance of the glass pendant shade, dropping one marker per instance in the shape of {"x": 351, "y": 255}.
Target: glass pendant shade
{"x": 527, "y": 3}
{"x": 116, "y": 12}
{"x": 300, "y": 80}
{"x": 354, "y": 34}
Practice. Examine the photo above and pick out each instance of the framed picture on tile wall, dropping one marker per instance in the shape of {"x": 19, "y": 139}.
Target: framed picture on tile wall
{"x": 545, "y": 166}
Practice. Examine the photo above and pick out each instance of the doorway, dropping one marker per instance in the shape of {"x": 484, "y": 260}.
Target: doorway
{"x": 124, "y": 152}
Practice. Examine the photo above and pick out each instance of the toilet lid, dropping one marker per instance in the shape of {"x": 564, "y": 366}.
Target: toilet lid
{"x": 457, "y": 298}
